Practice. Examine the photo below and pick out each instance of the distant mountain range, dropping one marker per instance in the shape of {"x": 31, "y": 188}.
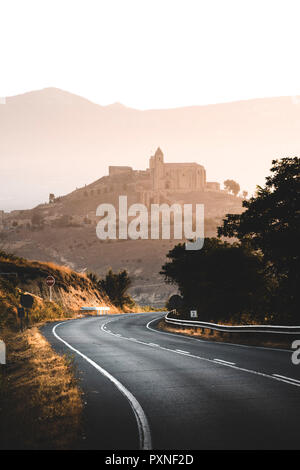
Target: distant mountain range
{"x": 52, "y": 141}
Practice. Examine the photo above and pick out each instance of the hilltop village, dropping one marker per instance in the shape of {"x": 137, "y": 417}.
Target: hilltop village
{"x": 161, "y": 182}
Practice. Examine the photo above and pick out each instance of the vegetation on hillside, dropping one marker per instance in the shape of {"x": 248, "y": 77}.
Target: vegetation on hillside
{"x": 115, "y": 286}
{"x": 232, "y": 186}
{"x": 40, "y": 402}
{"x": 71, "y": 291}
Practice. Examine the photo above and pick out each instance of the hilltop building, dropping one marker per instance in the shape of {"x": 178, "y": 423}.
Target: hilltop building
{"x": 162, "y": 179}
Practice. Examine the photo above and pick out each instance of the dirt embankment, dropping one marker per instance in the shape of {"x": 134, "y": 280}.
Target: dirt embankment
{"x": 72, "y": 290}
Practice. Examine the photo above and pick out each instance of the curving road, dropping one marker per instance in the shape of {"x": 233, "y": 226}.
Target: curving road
{"x": 147, "y": 389}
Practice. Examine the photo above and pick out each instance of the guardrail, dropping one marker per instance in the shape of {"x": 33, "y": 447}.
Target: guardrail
{"x": 288, "y": 330}
{"x": 99, "y": 310}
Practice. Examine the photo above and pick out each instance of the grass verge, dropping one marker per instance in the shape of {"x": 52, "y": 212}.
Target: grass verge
{"x": 40, "y": 402}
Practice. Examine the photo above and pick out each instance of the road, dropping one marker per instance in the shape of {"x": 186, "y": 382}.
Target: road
{"x": 147, "y": 389}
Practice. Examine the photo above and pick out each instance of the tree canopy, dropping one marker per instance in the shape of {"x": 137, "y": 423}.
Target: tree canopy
{"x": 232, "y": 186}
{"x": 259, "y": 273}
{"x": 115, "y": 285}
{"x": 220, "y": 281}
{"x": 271, "y": 225}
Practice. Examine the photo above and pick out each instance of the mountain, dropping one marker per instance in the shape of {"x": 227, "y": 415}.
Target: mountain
{"x": 54, "y": 141}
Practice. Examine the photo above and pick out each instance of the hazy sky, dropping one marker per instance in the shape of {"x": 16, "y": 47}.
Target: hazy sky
{"x": 154, "y": 53}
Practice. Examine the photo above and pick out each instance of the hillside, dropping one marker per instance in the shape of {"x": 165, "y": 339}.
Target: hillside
{"x": 76, "y": 246}
{"x": 64, "y": 232}
{"x": 61, "y": 141}
{"x": 71, "y": 291}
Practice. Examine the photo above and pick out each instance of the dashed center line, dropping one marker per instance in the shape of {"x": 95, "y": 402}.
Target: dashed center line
{"x": 181, "y": 351}
{"x": 224, "y": 362}
{"x": 214, "y": 361}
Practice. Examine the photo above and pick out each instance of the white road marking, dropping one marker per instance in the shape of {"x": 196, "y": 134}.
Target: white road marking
{"x": 287, "y": 378}
{"x": 180, "y": 350}
{"x": 225, "y": 362}
{"x": 154, "y": 344}
{"x": 141, "y": 419}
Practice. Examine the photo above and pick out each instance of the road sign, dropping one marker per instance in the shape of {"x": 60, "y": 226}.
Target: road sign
{"x": 50, "y": 281}
{"x": 193, "y": 313}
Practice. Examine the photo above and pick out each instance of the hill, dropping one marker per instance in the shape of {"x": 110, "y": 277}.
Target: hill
{"x": 66, "y": 234}
{"x": 52, "y": 141}
{"x": 71, "y": 292}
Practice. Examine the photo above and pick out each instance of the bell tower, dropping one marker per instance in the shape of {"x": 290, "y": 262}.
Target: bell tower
{"x": 157, "y": 169}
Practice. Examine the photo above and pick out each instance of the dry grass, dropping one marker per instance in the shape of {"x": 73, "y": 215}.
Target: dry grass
{"x": 250, "y": 339}
{"x": 72, "y": 290}
{"x": 40, "y": 401}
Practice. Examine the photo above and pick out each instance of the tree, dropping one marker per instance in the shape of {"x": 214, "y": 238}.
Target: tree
{"x": 51, "y": 198}
{"x": 232, "y": 186}
{"x": 245, "y": 194}
{"x": 221, "y": 281}
{"x": 271, "y": 225}
{"x": 115, "y": 285}
{"x": 93, "y": 277}
{"x": 175, "y": 302}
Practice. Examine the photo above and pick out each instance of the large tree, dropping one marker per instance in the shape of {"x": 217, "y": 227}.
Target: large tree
{"x": 222, "y": 281}
{"x": 271, "y": 225}
{"x": 232, "y": 186}
{"x": 115, "y": 285}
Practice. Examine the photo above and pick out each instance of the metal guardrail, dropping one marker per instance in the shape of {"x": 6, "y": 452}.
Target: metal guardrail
{"x": 288, "y": 330}
{"x": 99, "y": 310}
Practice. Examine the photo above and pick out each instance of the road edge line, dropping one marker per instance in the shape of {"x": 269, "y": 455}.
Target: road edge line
{"x": 141, "y": 419}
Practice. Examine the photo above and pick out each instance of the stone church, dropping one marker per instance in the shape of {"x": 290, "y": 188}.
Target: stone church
{"x": 176, "y": 176}
{"x": 161, "y": 179}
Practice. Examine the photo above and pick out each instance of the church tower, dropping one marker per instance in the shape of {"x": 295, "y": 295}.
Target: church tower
{"x": 157, "y": 169}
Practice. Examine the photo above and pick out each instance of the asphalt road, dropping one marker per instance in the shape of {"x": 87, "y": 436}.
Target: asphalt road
{"x": 147, "y": 389}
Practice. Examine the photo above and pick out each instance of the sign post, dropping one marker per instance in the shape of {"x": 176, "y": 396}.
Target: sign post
{"x": 50, "y": 281}
{"x": 21, "y": 315}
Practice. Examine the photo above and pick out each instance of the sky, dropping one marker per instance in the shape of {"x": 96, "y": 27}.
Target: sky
{"x": 151, "y": 54}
